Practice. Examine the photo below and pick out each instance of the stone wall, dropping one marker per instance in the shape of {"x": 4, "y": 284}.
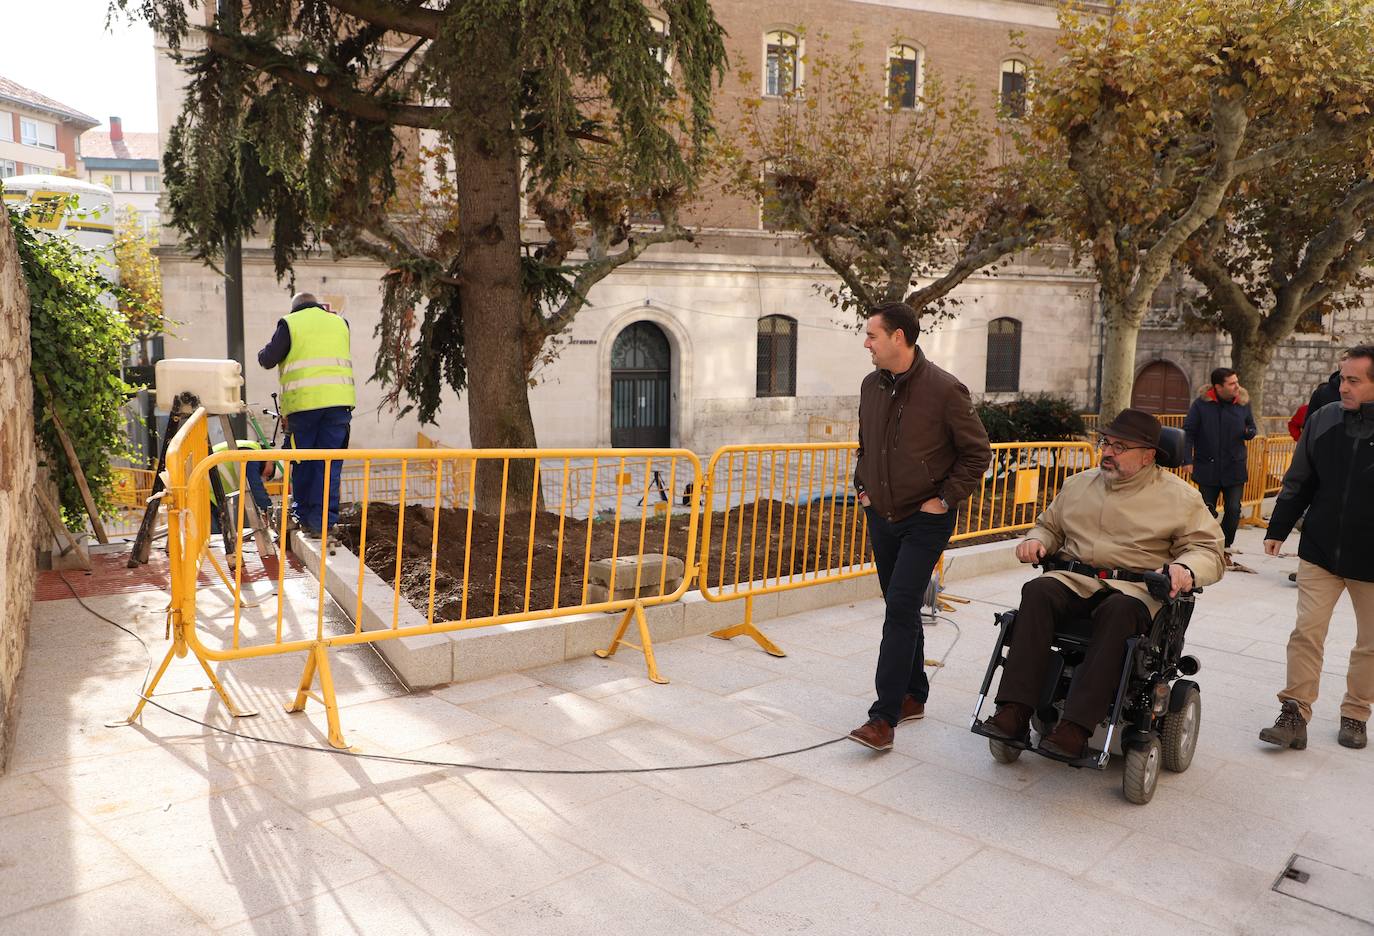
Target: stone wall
{"x": 17, "y": 462}
{"x": 1300, "y": 364}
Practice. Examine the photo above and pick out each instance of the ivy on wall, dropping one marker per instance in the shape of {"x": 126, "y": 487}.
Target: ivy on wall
{"x": 77, "y": 342}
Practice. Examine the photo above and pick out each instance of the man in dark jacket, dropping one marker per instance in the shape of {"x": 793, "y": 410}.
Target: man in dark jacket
{"x": 1218, "y": 425}
{"x": 1332, "y": 478}
{"x": 910, "y": 477}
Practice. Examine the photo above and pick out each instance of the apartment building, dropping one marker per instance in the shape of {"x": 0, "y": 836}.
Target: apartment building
{"x": 129, "y": 164}
{"x": 37, "y": 133}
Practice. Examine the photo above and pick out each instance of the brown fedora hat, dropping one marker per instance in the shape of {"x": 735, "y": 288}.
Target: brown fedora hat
{"x": 1135, "y": 425}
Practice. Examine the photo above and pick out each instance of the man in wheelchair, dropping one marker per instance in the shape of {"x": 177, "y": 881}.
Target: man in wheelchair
{"x": 1107, "y": 527}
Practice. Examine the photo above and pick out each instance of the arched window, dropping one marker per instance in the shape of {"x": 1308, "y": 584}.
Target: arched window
{"x": 777, "y": 363}
{"x": 781, "y": 63}
{"x": 1014, "y": 88}
{"x": 903, "y": 76}
{"x": 659, "y": 28}
{"x": 1004, "y": 356}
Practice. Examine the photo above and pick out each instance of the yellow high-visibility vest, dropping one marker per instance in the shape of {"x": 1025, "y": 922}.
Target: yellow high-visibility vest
{"x": 318, "y": 370}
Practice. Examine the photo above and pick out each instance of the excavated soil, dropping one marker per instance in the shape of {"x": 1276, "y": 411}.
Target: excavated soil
{"x": 559, "y": 584}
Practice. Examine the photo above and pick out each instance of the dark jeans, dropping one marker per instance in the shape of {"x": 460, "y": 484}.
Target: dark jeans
{"x": 1230, "y": 518}
{"x": 257, "y": 487}
{"x": 905, "y": 553}
{"x": 324, "y": 429}
{"x": 1044, "y": 601}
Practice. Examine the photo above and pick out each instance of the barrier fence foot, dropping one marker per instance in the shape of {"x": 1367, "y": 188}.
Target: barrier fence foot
{"x": 317, "y": 663}
{"x": 234, "y": 710}
{"x": 645, "y": 645}
{"x": 747, "y": 629}
{"x": 147, "y": 692}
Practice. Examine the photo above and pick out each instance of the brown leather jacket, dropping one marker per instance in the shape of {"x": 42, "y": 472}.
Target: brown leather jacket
{"x": 919, "y": 437}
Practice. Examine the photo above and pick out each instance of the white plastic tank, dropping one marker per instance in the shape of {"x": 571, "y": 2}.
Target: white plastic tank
{"x": 90, "y": 224}
{"x": 218, "y": 384}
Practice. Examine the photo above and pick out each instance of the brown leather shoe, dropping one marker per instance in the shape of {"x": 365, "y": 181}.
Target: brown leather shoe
{"x": 1068, "y": 739}
{"x": 874, "y": 733}
{"x": 1011, "y": 722}
{"x": 911, "y": 710}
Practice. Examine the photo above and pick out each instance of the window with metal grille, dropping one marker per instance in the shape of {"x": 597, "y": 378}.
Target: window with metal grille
{"x": 903, "y": 76}
{"x": 777, "y": 363}
{"x": 1014, "y": 89}
{"x": 781, "y": 69}
{"x": 1004, "y": 356}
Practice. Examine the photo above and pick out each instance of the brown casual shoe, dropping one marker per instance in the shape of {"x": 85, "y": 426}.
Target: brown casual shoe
{"x": 1352, "y": 734}
{"x": 874, "y": 733}
{"x": 1011, "y": 722}
{"x": 911, "y": 710}
{"x": 1068, "y": 739}
{"x": 1289, "y": 731}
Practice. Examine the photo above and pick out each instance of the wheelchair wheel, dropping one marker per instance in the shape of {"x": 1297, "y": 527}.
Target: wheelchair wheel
{"x": 1002, "y": 752}
{"x": 1181, "y": 731}
{"x": 1142, "y": 770}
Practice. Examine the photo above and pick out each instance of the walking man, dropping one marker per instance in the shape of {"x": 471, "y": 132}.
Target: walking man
{"x": 1332, "y": 478}
{"x": 910, "y": 475}
{"x": 311, "y": 350}
{"x": 1218, "y": 425}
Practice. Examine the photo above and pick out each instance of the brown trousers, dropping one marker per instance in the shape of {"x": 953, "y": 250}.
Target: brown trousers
{"x": 1045, "y": 601}
{"x": 1318, "y": 592}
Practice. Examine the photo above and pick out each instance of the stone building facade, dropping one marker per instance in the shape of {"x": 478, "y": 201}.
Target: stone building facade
{"x": 711, "y": 307}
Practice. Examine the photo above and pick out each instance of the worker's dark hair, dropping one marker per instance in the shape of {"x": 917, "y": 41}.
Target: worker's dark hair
{"x": 303, "y": 301}
{"x": 1220, "y": 375}
{"x": 899, "y": 315}
{"x": 1365, "y": 351}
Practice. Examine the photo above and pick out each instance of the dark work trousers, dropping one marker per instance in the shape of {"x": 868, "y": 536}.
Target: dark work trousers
{"x": 905, "y": 553}
{"x": 1044, "y": 601}
{"x": 326, "y": 428}
{"x": 1230, "y": 518}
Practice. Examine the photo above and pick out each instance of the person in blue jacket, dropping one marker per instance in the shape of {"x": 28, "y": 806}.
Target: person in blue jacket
{"x": 1218, "y": 425}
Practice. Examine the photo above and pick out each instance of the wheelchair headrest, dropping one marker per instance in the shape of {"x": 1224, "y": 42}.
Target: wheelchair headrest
{"x": 1170, "y": 450}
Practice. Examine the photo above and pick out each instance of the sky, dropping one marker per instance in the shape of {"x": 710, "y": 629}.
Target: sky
{"x": 63, "y": 49}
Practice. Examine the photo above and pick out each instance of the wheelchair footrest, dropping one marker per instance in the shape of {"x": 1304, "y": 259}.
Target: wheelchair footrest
{"x": 1022, "y": 745}
{"x": 1096, "y": 760}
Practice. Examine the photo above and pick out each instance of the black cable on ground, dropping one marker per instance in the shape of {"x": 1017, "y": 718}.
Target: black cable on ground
{"x": 395, "y": 759}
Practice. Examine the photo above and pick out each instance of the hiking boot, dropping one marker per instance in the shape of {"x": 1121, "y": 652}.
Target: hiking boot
{"x": 1068, "y": 739}
{"x": 1352, "y": 733}
{"x": 911, "y": 710}
{"x": 1289, "y": 731}
{"x": 1011, "y": 722}
{"x": 874, "y": 733}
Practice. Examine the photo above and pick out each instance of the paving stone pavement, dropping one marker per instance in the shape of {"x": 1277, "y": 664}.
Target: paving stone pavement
{"x": 172, "y": 828}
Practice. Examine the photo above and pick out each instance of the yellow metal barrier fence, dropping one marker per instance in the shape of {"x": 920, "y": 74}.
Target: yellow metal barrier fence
{"x": 778, "y": 517}
{"x": 514, "y": 534}
{"x": 795, "y": 508}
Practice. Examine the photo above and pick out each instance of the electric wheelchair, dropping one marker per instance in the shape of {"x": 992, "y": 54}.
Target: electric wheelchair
{"x": 1155, "y": 714}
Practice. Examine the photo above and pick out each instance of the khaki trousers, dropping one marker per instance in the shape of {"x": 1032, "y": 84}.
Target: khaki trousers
{"x": 1318, "y": 592}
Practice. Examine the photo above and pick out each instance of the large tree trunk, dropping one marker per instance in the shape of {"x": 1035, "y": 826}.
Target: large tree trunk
{"x": 488, "y": 188}
{"x": 1251, "y": 355}
{"x": 1118, "y": 358}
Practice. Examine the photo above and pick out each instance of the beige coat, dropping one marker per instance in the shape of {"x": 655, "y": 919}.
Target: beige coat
{"x": 1138, "y": 524}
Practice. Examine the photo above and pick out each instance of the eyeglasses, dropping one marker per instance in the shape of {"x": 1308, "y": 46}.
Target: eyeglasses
{"x": 1117, "y": 448}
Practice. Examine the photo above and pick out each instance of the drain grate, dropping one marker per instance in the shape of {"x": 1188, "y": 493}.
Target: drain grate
{"x": 1329, "y": 887}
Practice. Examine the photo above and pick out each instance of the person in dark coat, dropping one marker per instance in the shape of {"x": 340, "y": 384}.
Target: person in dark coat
{"x": 1329, "y": 479}
{"x": 1218, "y": 425}
{"x": 1329, "y": 392}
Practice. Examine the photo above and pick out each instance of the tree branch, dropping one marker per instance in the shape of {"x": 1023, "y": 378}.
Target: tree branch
{"x": 965, "y": 267}
{"x": 1331, "y": 242}
{"x": 331, "y": 91}
{"x": 595, "y": 270}
{"x": 411, "y": 18}
{"x": 1229, "y": 122}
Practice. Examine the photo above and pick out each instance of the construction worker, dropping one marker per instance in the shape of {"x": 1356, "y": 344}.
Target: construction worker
{"x": 311, "y": 351}
{"x": 258, "y": 474}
